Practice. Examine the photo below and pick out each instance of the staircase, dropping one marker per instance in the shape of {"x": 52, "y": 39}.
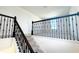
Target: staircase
{"x": 9, "y": 28}
{"x": 34, "y": 45}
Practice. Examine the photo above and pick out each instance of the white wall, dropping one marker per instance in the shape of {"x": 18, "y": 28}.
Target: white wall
{"x": 48, "y": 11}
{"x": 24, "y": 17}
{"x": 74, "y": 9}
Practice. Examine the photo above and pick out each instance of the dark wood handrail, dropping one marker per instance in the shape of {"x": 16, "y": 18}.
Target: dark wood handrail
{"x": 6, "y": 16}
{"x": 56, "y": 17}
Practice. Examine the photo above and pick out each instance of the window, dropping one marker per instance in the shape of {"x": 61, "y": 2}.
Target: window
{"x": 53, "y": 24}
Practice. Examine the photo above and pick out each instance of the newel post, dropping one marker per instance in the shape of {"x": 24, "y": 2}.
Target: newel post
{"x": 14, "y": 26}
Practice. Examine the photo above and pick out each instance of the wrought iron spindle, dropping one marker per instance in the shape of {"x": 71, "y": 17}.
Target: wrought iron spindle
{"x": 9, "y": 27}
{"x": 58, "y": 29}
{"x": 69, "y": 28}
{"x": 76, "y": 26}
{"x": 12, "y": 28}
{"x": 61, "y": 26}
{"x": 54, "y": 29}
{"x": 6, "y": 27}
{"x": 0, "y": 22}
{"x": 3, "y": 28}
{"x": 66, "y": 28}
{"x": 73, "y": 28}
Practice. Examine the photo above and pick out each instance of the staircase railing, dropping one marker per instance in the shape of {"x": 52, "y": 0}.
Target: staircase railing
{"x": 21, "y": 39}
{"x": 63, "y": 27}
{"x": 6, "y": 26}
{"x": 9, "y": 27}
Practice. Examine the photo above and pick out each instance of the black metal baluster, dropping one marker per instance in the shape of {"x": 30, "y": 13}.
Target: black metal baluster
{"x": 67, "y": 28}
{"x": 26, "y": 48}
{"x": 3, "y": 28}
{"x": 12, "y": 27}
{"x": 1, "y": 20}
{"x": 12, "y": 21}
{"x": 73, "y": 28}
{"x": 56, "y": 29}
{"x": 23, "y": 46}
{"x": 0, "y": 24}
{"x": 51, "y": 28}
{"x": 61, "y": 27}
{"x": 32, "y": 28}
{"x": 38, "y": 28}
{"x": 46, "y": 29}
{"x": 76, "y": 26}
{"x": 6, "y": 27}
{"x": 9, "y": 27}
{"x": 35, "y": 29}
{"x": 64, "y": 27}
{"x": 19, "y": 49}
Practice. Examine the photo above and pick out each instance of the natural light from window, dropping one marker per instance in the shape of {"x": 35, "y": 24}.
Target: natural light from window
{"x": 53, "y": 24}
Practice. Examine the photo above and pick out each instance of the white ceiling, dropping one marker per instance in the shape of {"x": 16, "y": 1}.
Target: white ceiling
{"x": 47, "y": 11}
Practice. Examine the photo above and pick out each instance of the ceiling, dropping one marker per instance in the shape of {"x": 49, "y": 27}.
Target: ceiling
{"x": 44, "y": 12}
